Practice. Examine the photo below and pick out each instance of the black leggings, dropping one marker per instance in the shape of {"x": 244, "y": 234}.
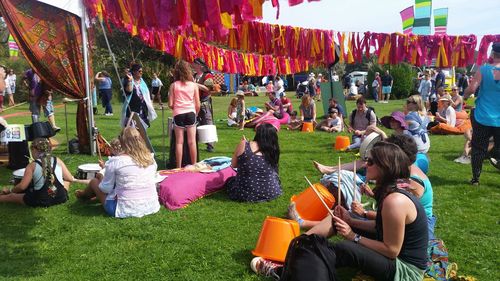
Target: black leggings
{"x": 315, "y": 258}
{"x": 480, "y": 140}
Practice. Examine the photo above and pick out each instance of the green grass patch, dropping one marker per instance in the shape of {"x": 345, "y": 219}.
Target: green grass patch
{"x": 212, "y": 238}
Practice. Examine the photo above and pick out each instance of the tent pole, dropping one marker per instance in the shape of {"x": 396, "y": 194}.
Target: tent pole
{"x": 87, "y": 85}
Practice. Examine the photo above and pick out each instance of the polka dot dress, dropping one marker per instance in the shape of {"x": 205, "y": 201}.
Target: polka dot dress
{"x": 256, "y": 179}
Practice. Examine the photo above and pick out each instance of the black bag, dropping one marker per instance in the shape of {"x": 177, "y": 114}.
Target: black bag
{"x": 73, "y": 146}
{"x": 309, "y": 257}
{"x": 19, "y": 155}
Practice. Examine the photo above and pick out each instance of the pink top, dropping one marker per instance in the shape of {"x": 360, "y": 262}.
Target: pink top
{"x": 184, "y": 93}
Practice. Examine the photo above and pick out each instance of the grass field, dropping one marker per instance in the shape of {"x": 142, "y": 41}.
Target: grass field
{"x": 212, "y": 238}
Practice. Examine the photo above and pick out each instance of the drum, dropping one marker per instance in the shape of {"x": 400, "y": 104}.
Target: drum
{"x": 207, "y": 133}
{"x": 275, "y": 236}
{"x": 87, "y": 171}
{"x": 367, "y": 144}
{"x": 17, "y": 176}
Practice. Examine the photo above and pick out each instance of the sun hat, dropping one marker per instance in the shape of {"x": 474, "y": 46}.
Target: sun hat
{"x": 445, "y": 98}
{"x": 320, "y": 74}
{"x": 397, "y": 116}
{"x": 240, "y": 93}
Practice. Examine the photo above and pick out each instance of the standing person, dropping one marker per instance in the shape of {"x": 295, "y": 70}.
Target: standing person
{"x": 387, "y": 82}
{"x": 391, "y": 247}
{"x": 375, "y": 86}
{"x": 347, "y": 83}
{"x": 440, "y": 79}
{"x": 205, "y": 79}
{"x": 184, "y": 100}
{"x": 46, "y": 180}
{"x": 48, "y": 107}
{"x": 137, "y": 97}
{"x": 279, "y": 87}
{"x": 11, "y": 84}
{"x": 104, "y": 84}
{"x": 486, "y": 116}
{"x": 425, "y": 89}
{"x": 32, "y": 81}
{"x": 463, "y": 83}
{"x": 3, "y": 86}
{"x": 312, "y": 85}
{"x": 156, "y": 85}
{"x": 379, "y": 80}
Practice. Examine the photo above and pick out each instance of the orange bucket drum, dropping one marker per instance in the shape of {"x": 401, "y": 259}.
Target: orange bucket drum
{"x": 275, "y": 236}
{"x": 342, "y": 142}
{"x": 308, "y": 205}
{"x": 307, "y": 127}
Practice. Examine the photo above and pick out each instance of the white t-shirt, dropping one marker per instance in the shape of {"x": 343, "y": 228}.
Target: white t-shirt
{"x": 450, "y": 115}
{"x": 279, "y": 87}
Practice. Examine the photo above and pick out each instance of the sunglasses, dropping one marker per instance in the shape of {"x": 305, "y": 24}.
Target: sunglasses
{"x": 369, "y": 161}
{"x": 454, "y": 90}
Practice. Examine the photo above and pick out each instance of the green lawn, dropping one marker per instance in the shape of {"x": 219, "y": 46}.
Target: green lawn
{"x": 212, "y": 238}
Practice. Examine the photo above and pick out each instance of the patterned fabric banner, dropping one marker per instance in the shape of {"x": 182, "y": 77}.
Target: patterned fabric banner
{"x": 13, "y": 48}
{"x": 422, "y": 23}
{"x": 51, "y": 41}
{"x": 440, "y": 20}
{"x": 407, "y": 17}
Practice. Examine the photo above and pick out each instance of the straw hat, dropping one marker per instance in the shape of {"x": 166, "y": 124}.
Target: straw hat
{"x": 445, "y": 98}
{"x": 240, "y": 93}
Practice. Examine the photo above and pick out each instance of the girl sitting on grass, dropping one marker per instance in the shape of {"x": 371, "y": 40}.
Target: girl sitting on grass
{"x": 128, "y": 188}
{"x": 45, "y": 182}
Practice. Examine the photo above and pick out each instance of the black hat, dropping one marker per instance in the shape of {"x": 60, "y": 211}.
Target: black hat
{"x": 496, "y": 47}
{"x": 200, "y": 61}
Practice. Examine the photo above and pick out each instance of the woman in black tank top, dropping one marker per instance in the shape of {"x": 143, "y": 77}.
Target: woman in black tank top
{"x": 393, "y": 247}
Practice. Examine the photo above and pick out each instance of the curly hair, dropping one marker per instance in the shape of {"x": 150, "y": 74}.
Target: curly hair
{"x": 134, "y": 146}
{"x": 182, "y": 71}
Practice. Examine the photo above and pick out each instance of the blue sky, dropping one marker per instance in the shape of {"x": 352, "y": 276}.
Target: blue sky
{"x": 477, "y": 17}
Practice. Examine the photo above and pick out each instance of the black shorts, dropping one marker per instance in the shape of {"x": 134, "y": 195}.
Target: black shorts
{"x": 155, "y": 91}
{"x": 185, "y": 120}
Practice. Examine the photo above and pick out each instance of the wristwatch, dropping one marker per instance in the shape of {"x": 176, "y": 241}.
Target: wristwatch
{"x": 357, "y": 238}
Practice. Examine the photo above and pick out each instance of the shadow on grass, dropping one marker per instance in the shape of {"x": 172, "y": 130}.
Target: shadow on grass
{"x": 20, "y": 256}
{"x": 86, "y": 208}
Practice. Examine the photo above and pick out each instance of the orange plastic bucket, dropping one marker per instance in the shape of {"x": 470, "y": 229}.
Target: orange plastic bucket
{"x": 342, "y": 142}
{"x": 307, "y": 127}
{"x": 308, "y": 205}
{"x": 275, "y": 237}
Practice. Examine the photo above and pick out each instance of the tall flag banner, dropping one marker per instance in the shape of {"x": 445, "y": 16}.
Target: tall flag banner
{"x": 13, "y": 48}
{"x": 440, "y": 20}
{"x": 422, "y": 23}
{"x": 407, "y": 17}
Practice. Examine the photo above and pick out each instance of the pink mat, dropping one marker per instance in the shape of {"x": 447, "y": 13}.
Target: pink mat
{"x": 180, "y": 189}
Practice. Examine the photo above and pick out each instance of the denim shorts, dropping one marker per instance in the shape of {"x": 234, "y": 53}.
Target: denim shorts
{"x": 48, "y": 110}
{"x": 110, "y": 207}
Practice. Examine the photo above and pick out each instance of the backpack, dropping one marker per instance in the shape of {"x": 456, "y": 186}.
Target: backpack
{"x": 368, "y": 115}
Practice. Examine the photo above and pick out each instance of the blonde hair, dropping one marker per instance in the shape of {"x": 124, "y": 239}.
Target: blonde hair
{"x": 306, "y": 100}
{"x": 134, "y": 146}
{"x": 417, "y": 99}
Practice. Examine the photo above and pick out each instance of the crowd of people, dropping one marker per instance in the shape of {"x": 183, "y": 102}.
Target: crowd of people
{"x": 388, "y": 243}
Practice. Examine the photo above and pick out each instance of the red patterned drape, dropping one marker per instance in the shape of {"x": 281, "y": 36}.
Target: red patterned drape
{"x": 51, "y": 41}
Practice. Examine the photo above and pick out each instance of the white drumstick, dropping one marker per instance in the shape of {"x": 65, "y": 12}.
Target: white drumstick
{"x": 319, "y": 196}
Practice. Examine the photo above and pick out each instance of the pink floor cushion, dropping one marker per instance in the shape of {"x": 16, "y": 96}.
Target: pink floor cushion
{"x": 270, "y": 120}
{"x": 284, "y": 119}
{"x": 180, "y": 189}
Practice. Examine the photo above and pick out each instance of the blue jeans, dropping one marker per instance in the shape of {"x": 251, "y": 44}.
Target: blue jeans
{"x": 106, "y": 95}
{"x": 431, "y": 223}
{"x": 356, "y": 142}
{"x": 375, "y": 93}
